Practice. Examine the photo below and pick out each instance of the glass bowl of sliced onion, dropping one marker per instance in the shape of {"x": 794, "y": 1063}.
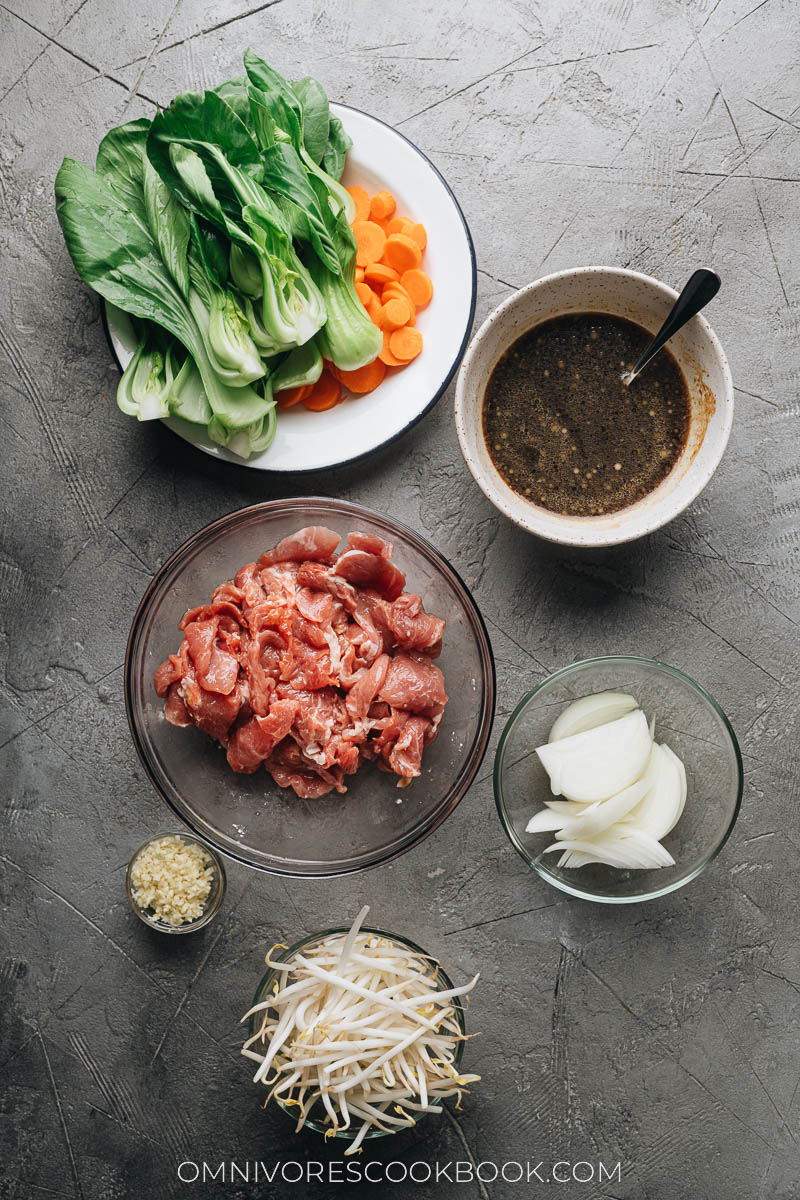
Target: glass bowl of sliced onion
{"x": 357, "y": 1033}
{"x": 618, "y": 779}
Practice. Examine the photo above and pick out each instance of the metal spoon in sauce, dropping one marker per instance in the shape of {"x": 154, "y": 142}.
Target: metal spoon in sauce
{"x": 702, "y": 287}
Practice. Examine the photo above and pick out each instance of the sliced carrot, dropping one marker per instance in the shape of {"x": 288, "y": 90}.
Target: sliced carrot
{"x": 379, "y": 273}
{"x": 362, "y": 203}
{"x": 418, "y": 233}
{"x": 386, "y": 355}
{"x": 401, "y": 252}
{"x": 418, "y": 285}
{"x": 359, "y": 274}
{"x": 398, "y": 225}
{"x": 365, "y": 379}
{"x": 405, "y": 343}
{"x": 324, "y": 394}
{"x": 396, "y": 291}
{"x": 370, "y": 243}
{"x": 407, "y": 306}
{"x": 364, "y": 293}
{"x": 382, "y": 206}
{"x": 396, "y": 313}
{"x": 291, "y": 396}
{"x": 374, "y": 308}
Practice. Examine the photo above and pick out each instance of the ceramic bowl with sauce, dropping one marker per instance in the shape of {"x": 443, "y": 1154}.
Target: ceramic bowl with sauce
{"x": 604, "y": 292}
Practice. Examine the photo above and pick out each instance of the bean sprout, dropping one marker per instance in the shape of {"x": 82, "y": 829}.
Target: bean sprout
{"x": 357, "y": 1030}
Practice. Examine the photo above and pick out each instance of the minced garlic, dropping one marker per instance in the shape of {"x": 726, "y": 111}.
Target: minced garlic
{"x": 173, "y": 878}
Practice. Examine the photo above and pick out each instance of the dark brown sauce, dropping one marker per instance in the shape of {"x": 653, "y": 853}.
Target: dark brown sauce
{"x": 563, "y": 430}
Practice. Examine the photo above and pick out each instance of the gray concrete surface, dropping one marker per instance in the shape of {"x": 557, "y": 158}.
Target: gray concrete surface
{"x": 659, "y": 134}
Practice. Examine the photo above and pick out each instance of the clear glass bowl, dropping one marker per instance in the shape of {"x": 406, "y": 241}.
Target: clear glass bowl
{"x": 215, "y": 896}
{"x": 443, "y": 983}
{"x": 687, "y": 719}
{"x": 248, "y": 817}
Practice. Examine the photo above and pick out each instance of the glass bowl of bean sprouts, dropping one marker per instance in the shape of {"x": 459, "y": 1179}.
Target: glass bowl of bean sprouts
{"x": 411, "y": 1083}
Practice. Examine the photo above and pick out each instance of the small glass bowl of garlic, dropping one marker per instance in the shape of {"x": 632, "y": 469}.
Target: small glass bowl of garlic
{"x": 175, "y": 883}
{"x": 618, "y": 779}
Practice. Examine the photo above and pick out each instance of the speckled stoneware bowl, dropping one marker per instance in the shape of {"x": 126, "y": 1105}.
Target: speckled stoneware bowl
{"x": 646, "y": 301}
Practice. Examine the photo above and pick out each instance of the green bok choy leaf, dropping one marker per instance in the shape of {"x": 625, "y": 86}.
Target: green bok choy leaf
{"x": 115, "y": 253}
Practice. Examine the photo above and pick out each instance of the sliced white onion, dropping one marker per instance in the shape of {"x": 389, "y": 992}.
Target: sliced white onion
{"x": 566, "y": 808}
{"x": 598, "y": 763}
{"x": 601, "y": 851}
{"x": 605, "y": 813}
{"x": 591, "y": 711}
{"x": 682, "y": 776}
{"x": 660, "y": 806}
{"x": 628, "y": 849}
{"x": 574, "y": 858}
{"x": 648, "y": 847}
{"x": 545, "y": 821}
{"x": 622, "y": 792}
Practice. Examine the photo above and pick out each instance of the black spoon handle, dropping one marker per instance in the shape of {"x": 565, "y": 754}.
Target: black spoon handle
{"x": 701, "y": 287}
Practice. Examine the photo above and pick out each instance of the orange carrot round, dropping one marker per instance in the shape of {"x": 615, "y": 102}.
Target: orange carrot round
{"x": 398, "y": 225}
{"x": 405, "y": 343}
{"x": 364, "y": 293}
{"x": 385, "y": 354}
{"x": 401, "y": 252}
{"x": 418, "y": 233}
{"x": 365, "y": 379}
{"x": 395, "y": 291}
{"x": 324, "y": 394}
{"x": 361, "y": 201}
{"x": 377, "y": 274}
{"x": 404, "y": 300}
{"x": 382, "y": 206}
{"x": 288, "y": 397}
{"x": 396, "y": 313}
{"x": 374, "y": 308}
{"x": 418, "y": 285}
{"x": 359, "y": 274}
{"x": 370, "y": 243}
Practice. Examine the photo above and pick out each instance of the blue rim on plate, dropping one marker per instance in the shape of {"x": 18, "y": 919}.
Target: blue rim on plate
{"x": 441, "y": 388}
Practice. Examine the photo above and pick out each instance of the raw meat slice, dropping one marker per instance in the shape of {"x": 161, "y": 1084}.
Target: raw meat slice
{"x": 217, "y": 669}
{"x": 253, "y": 742}
{"x": 369, "y": 542}
{"x": 405, "y": 756}
{"x": 366, "y": 688}
{"x": 175, "y": 710}
{"x": 413, "y": 628}
{"x": 315, "y": 543}
{"x": 211, "y": 712}
{"x": 306, "y": 777}
{"x": 320, "y": 713}
{"x": 170, "y": 671}
{"x": 370, "y": 571}
{"x": 318, "y": 607}
{"x": 413, "y": 683}
{"x": 207, "y": 612}
{"x": 319, "y": 578}
{"x": 390, "y": 729}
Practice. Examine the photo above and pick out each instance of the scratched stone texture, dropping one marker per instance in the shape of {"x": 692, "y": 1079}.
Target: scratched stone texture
{"x": 661, "y": 135}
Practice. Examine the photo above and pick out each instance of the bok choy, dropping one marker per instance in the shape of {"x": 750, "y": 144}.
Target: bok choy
{"x": 222, "y": 229}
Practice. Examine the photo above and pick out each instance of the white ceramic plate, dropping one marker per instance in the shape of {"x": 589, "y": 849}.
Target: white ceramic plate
{"x": 380, "y": 158}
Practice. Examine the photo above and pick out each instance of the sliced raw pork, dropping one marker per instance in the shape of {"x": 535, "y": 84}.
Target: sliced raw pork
{"x": 308, "y": 664}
